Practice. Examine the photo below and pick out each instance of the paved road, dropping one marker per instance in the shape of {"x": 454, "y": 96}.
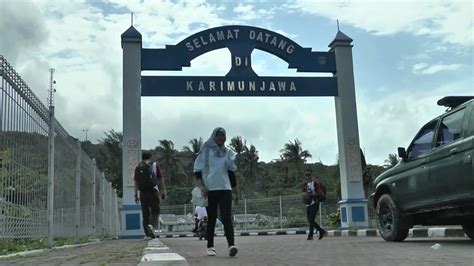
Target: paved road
{"x": 296, "y": 250}
{"x": 270, "y": 250}
{"x": 115, "y": 252}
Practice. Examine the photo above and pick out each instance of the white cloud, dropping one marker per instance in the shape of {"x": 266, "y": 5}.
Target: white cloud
{"x": 247, "y": 12}
{"x": 449, "y": 21}
{"x": 393, "y": 120}
{"x": 426, "y": 69}
{"x": 83, "y": 44}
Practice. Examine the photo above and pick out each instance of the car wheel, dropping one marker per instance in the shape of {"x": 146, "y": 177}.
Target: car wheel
{"x": 469, "y": 230}
{"x": 391, "y": 221}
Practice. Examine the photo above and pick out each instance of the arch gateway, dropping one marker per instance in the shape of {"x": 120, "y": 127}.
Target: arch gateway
{"x": 241, "y": 80}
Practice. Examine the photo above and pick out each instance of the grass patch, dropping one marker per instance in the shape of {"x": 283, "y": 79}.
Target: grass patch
{"x": 9, "y": 246}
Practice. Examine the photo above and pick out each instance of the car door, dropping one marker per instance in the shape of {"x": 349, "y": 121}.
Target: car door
{"x": 446, "y": 162}
{"x": 412, "y": 183}
{"x": 467, "y": 152}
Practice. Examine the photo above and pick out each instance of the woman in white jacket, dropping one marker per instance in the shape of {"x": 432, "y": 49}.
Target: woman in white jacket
{"x": 214, "y": 169}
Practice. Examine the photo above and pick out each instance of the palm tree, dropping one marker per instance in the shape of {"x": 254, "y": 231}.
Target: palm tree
{"x": 294, "y": 154}
{"x": 169, "y": 160}
{"x": 250, "y": 168}
{"x": 194, "y": 148}
{"x": 238, "y": 144}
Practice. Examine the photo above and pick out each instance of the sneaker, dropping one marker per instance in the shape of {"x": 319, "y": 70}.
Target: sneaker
{"x": 233, "y": 251}
{"x": 151, "y": 231}
{"x": 211, "y": 252}
{"x": 310, "y": 238}
{"x": 322, "y": 233}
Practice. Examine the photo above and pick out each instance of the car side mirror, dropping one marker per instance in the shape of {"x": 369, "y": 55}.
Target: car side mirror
{"x": 402, "y": 153}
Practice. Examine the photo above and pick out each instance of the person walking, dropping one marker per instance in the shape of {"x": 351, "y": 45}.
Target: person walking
{"x": 214, "y": 169}
{"x": 148, "y": 180}
{"x": 313, "y": 193}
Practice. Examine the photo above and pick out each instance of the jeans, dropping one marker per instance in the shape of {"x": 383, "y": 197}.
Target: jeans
{"x": 311, "y": 212}
{"x": 223, "y": 200}
{"x": 150, "y": 201}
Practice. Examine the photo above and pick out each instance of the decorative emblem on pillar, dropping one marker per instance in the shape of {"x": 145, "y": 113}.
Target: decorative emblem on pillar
{"x": 132, "y": 143}
{"x": 354, "y": 160}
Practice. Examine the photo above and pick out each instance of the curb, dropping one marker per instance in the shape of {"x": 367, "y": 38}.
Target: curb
{"x": 38, "y": 251}
{"x": 157, "y": 253}
{"x": 413, "y": 233}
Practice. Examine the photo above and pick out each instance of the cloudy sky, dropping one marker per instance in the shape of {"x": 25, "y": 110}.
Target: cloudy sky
{"x": 407, "y": 55}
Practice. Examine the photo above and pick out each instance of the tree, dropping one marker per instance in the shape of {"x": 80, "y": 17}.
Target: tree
{"x": 178, "y": 195}
{"x": 294, "y": 155}
{"x": 195, "y": 147}
{"x": 250, "y": 168}
{"x": 391, "y": 161}
{"x": 366, "y": 174}
{"x": 170, "y": 162}
{"x": 109, "y": 158}
{"x": 238, "y": 144}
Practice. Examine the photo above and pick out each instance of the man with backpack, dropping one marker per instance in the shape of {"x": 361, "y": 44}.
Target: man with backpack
{"x": 313, "y": 193}
{"x": 149, "y": 182}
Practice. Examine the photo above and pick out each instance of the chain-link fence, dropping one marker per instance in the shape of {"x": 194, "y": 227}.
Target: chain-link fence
{"x": 85, "y": 204}
{"x": 276, "y": 213}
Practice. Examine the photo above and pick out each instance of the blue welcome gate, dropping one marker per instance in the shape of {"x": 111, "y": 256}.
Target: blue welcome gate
{"x": 241, "y": 80}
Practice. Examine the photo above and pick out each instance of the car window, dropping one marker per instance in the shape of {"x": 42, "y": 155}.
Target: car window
{"x": 450, "y": 128}
{"x": 422, "y": 142}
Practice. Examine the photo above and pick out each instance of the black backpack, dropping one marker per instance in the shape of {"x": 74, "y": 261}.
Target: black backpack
{"x": 144, "y": 177}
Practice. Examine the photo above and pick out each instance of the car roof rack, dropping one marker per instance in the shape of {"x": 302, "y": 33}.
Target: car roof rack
{"x": 454, "y": 101}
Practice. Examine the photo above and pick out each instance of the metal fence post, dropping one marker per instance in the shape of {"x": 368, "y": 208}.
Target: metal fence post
{"x": 86, "y": 214}
{"x": 103, "y": 203}
{"x": 78, "y": 191}
{"x": 94, "y": 200}
{"x": 281, "y": 215}
{"x": 185, "y": 209}
{"x": 116, "y": 211}
{"x": 245, "y": 210}
{"x": 51, "y": 177}
{"x": 62, "y": 221}
{"x": 111, "y": 214}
